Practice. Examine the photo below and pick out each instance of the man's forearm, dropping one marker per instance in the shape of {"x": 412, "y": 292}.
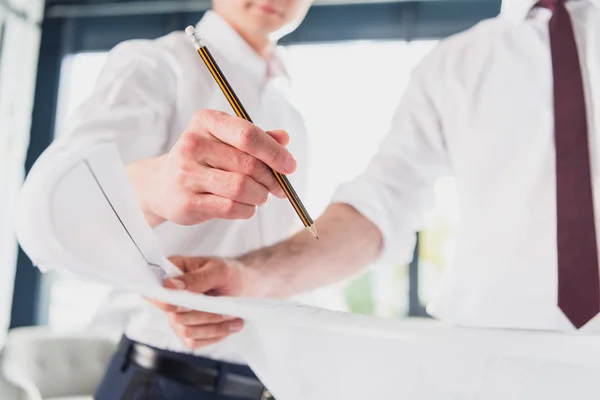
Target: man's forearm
{"x": 348, "y": 242}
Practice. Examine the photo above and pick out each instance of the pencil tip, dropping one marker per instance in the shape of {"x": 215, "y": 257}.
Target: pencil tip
{"x": 313, "y": 229}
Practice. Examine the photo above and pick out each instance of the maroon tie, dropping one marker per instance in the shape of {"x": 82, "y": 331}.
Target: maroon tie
{"x": 578, "y": 276}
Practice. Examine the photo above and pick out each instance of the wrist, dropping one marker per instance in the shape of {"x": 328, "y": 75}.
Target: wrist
{"x": 142, "y": 175}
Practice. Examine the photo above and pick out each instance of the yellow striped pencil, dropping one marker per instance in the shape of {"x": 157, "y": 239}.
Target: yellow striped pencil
{"x": 235, "y": 103}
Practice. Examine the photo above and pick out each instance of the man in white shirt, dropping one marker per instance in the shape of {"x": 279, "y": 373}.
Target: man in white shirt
{"x": 510, "y": 108}
{"x": 198, "y": 181}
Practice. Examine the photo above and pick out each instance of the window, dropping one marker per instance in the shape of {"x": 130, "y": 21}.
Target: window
{"x": 347, "y": 113}
{"x": 348, "y": 110}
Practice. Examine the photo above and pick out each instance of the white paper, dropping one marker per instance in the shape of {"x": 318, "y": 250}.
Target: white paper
{"x": 77, "y": 211}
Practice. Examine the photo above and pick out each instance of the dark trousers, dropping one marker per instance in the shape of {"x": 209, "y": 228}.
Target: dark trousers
{"x": 124, "y": 380}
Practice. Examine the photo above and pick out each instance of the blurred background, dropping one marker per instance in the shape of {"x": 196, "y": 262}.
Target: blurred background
{"x": 51, "y": 53}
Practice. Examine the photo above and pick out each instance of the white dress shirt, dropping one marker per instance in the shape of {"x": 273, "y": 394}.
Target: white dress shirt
{"x": 480, "y": 108}
{"x": 143, "y": 101}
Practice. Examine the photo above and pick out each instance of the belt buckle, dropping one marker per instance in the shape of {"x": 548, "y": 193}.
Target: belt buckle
{"x": 266, "y": 395}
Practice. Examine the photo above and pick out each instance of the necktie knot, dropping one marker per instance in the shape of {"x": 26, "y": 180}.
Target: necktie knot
{"x": 551, "y": 4}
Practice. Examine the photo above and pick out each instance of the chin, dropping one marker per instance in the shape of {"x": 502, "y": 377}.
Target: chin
{"x": 266, "y": 26}
{"x": 266, "y": 20}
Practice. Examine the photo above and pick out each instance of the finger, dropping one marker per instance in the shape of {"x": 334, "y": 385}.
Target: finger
{"x": 196, "y": 208}
{"x": 185, "y": 264}
{"x": 231, "y": 185}
{"x": 220, "y": 207}
{"x": 247, "y": 137}
{"x": 209, "y": 331}
{"x": 212, "y": 277}
{"x": 228, "y": 158}
{"x": 163, "y": 306}
{"x": 197, "y": 318}
{"x": 198, "y": 344}
{"x": 280, "y": 136}
{"x": 189, "y": 264}
{"x": 196, "y": 148}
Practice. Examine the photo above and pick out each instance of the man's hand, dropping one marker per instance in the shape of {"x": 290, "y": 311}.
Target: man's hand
{"x": 219, "y": 168}
{"x": 212, "y": 276}
{"x": 349, "y": 242}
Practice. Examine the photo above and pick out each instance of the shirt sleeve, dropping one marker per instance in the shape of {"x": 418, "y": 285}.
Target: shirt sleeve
{"x": 131, "y": 105}
{"x": 396, "y": 189}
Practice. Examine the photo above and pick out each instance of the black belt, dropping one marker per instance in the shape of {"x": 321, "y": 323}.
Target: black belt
{"x": 197, "y": 376}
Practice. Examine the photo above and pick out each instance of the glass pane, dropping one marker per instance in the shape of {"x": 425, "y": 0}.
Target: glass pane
{"x": 347, "y": 93}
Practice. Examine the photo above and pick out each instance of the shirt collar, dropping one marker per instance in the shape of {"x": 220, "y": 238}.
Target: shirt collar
{"x": 517, "y": 10}
{"x": 221, "y": 37}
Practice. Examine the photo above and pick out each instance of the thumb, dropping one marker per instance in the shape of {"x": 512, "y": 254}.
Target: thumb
{"x": 189, "y": 264}
{"x": 280, "y": 136}
{"x": 202, "y": 280}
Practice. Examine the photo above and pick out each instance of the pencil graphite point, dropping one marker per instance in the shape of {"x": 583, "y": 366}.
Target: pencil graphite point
{"x": 313, "y": 229}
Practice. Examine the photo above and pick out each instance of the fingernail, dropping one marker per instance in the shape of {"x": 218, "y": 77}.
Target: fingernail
{"x": 178, "y": 283}
{"x": 183, "y": 309}
{"x": 236, "y": 326}
{"x": 290, "y": 164}
{"x": 269, "y": 198}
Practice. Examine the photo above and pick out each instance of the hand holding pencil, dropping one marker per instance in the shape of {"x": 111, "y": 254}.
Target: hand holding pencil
{"x": 239, "y": 110}
{"x": 219, "y": 168}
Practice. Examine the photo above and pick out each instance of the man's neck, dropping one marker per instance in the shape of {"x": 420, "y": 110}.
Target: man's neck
{"x": 261, "y": 45}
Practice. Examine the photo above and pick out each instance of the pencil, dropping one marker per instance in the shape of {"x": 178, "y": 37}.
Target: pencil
{"x": 240, "y": 111}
